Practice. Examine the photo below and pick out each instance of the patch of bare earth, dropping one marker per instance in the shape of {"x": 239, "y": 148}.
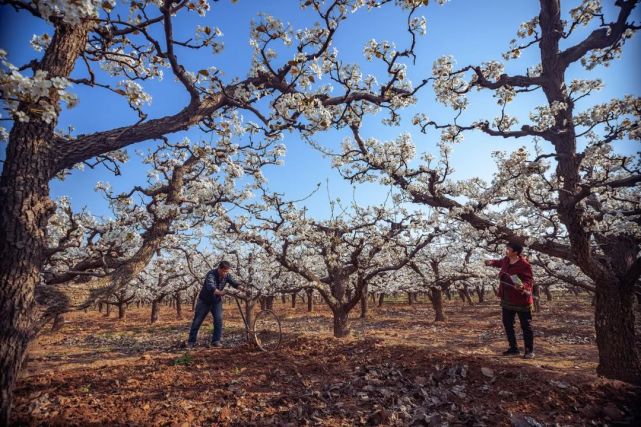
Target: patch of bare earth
{"x": 399, "y": 368}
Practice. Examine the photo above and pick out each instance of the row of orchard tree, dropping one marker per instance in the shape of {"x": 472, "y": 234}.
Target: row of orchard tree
{"x": 436, "y": 272}
{"x": 566, "y": 193}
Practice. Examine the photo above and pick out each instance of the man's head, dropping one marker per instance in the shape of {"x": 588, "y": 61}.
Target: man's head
{"x": 224, "y": 267}
{"x": 513, "y": 248}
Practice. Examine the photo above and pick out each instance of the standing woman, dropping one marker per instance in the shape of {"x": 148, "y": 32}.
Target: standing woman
{"x": 515, "y": 290}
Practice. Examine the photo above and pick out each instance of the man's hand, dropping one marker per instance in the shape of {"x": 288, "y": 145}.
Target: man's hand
{"x": 219, "y": 293}
{"x": 488, "y": 262}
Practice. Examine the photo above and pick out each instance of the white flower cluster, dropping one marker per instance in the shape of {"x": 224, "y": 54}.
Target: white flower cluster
{"x": 134, "y": 93}
{"x": 544, "y": 117}
{"x": 449, "y": 87}
{"x": 37, "y": 92}
{"x": 586, "y": 11}
{"x": 528, "y": 28}
{"x": 419, "y": 24}
{"x": 492, "y": 70}
{"x": 70, "y": 11}
{"x": 382, "y": 50}
{"x": 40, "y": 42}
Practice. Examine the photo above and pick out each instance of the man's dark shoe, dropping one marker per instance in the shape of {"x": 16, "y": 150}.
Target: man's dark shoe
{"x": 529, "y": 355}
{"x": 511, "y": 352}
{"x": 214, "y": 344}
{"x": 191, "y": 344}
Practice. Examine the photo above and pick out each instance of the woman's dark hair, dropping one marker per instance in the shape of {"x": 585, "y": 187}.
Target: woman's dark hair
{"x": 515, "y": 246}
{"x": 224, "y": 264}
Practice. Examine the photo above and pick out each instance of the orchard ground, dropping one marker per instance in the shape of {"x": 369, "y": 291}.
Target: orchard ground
{"x": 399, "y": 367}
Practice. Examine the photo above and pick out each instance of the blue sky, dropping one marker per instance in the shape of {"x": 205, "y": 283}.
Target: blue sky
{"x": 472, "y": 31}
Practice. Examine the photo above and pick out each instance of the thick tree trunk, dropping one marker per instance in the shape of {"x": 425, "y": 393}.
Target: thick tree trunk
{"x": 381, "y": 298}
{"x": 263, "y": 303}
{"x": 410, "y": 299}
{"x": 615, "y": 333}
{"x": 294, "y": 294}
{"x": 155, "y": 309}
{"x": 448, "y": 294}
{"x": 310, "y": 300}
{"x": 122, "y": 311}
{"x": 99, "y": 307}
{"x": 283, "y": 300}
{"x": 58, "y": 322}
{"x": 436, "y": 297}
{"x": 25, "y": 209}
{"x": 548, "y": 293}
{"x": 107, "y": 310}
{"x": 270, "y": 302}
{"x": 341, "y": 322}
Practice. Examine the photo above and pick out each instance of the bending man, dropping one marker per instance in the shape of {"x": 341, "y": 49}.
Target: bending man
{"x": 210, "y": 300}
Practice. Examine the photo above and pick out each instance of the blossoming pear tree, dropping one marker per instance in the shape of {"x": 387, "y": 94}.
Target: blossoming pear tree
{"x": 568, "y": 190}
{"x": 338, "y": 256}
{"x": 94, "y": 44}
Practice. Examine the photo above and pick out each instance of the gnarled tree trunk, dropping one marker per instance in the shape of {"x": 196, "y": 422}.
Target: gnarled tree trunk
{"x": 179, "y": 307}
{"x": 436, "y": 298}
{"x": 310, "y": 300}
{"x": 615, "y": 333}
{"x": 25, "y": 209}
{"x": 341, "y": 322}
{"x": 155, "y": 309}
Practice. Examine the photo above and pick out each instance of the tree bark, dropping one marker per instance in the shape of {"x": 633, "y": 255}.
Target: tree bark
{"x": 107, "y": 310}
{"x": 436, "y": 297}
{"x": 615, "y": 333}
{"x": 294, "y": 294}
{"x": 310, "y": 300}
{"x": 448, "y": 294}
{"x": 122, "y": 311}
{"x": 410, "y": 299}
{"x": 548, "y": 293}
{"x": 341, "y": 322}
{"x": 270, "y": 302}
{"x": 155, "y": 308}
{"x": 283, "y": 300}
{"x": 179, "y": 307}
{"x": 381, "y": 298}
{"x": 25, "y": 209}
{"x": 480, "y": 292}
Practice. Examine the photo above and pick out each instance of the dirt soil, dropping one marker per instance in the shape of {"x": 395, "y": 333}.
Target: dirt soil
{"x": 399, "y": 367}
